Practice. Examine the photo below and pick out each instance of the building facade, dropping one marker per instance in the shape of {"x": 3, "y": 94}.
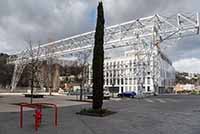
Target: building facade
{"x": 124, "y": 74}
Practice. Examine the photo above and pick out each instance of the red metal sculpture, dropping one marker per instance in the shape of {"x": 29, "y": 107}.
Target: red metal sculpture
{"x": 38, "y": 113}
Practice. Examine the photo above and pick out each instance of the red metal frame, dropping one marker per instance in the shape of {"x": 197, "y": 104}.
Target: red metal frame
{"x": 38, "y": 113}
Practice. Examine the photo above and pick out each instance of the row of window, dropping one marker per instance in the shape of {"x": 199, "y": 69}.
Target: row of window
{"x": 125, "y": 81}
{"x": 119, "y": 73}
{"x": 106, "y": 67}
{"x": 132, "y": 88}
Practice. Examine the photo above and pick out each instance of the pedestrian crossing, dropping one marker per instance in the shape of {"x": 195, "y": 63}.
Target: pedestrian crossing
{"x": 149, "y": 100}
{"x": 159, "y": 100}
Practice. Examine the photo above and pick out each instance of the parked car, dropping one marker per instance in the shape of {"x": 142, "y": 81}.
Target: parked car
{"x": 127, "y": 94}
{"x": 106, "y": 95}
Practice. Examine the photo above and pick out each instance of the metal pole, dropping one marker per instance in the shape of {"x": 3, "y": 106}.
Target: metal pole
{"x": 56, "y": 116}
{"x": 21, "y": 116}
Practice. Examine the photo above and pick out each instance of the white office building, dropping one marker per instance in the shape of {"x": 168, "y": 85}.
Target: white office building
{"x": 120, "y": 74}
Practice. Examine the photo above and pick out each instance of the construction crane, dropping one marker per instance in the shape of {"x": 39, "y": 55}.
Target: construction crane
{"x": 145, "y": 35}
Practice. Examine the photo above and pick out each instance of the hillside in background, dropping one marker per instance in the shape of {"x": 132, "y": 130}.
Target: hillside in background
{"x": 187, "y": 78}
{"x": 6, "y": 71}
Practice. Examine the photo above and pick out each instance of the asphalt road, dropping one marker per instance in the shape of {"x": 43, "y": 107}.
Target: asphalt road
{"x": 154, "y": 115}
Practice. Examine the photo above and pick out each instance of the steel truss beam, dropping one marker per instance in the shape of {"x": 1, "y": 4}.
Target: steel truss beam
{"x": 144, "y": 34}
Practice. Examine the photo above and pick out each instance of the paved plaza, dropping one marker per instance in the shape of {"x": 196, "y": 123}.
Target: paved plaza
{"x": 8, "y": 101}
{"x": 168, "y": 114}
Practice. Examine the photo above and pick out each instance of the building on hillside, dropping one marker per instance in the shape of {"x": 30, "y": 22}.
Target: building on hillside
{"x": 119, "y": 74}
{"x": 188, "y": 75}
{"x": 197, "y": 88}
{"x": 179, "y": 88}
{"x": 192, "y": 76}
{"x": 189, "y": 87}
{"x": 72, "y": 87}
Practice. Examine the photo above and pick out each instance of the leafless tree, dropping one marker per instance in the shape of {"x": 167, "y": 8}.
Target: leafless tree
{"x": 83, "y": 63}
{"x": 34, "y": 66}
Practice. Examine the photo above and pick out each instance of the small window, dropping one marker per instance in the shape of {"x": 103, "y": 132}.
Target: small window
{"x": 106, "y": 81}
{"x": 117, "y": 81}
{"x": 126, "y": 81}
{"x": 114, "y": 82}
{"x": 148, "y": 80}
{"x": 130, "y": 81}
{"x": 122, "y": 89}
{"x": 148, "y": 88}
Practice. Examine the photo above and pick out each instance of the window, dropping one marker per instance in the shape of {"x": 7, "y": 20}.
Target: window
{"x": 114, "y": 73}
{"x": 148, "y": 88}
{"x": 126, "y": 81}
{"x": 148, "y": 80}
{"x": 113, "y": 82}
{"x": 106, "y": 81}
{"x": 117, "y": 81}
{"x": 134, "y": 81}
{"x": 122, "y": 89}
{"x": 117, "y": 73}
{"x": 130, "y": 81}
{"x": 122, "y": 82}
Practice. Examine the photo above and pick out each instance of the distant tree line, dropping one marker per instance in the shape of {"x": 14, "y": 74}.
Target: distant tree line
{"x": 6, "y": 70}
{"x": 70, "y": 70}
{"x": 66, "y": 70}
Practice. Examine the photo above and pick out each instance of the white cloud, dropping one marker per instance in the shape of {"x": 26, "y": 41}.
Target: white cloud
{"x": 43, "y": 21}
{"x": 188, "y": 65}
{"x": 47, "y": 20}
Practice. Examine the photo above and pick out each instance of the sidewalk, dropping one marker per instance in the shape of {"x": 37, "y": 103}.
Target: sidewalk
{"x": 9, "y": 101}
{"x": 132, "y": 117}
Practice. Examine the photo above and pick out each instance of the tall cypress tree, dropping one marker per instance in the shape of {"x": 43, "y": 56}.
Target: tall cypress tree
{"x": 98, "y": 60}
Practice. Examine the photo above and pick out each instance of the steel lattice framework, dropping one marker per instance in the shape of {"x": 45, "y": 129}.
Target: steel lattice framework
{"x": 144, "y": 35}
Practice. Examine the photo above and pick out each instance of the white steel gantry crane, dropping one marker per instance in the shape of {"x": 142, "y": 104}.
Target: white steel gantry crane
{"x": 145, "y": 35}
